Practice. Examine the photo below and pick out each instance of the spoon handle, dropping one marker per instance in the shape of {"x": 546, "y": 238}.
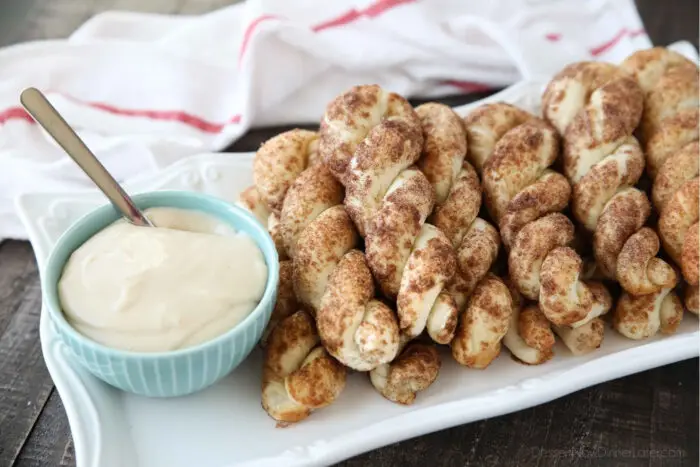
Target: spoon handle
{"x": 48, "y": 117}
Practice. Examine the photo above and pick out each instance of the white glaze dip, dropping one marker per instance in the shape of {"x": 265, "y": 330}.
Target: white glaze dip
{"x": 144, "y": 289}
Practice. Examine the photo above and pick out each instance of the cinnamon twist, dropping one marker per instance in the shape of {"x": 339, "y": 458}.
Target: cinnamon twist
{"x": 415, "y": 368}
{"x": 457, "y": 190}
{"x": 529, "y": 336}
{"x": 669, "y": 130}
{"x": 371, "y": 140}
{"x": 298, "y": 375}
{"x": 332, "y": 278}
{"x": 515, "y": 150}
{"x": 596, "y": 108}
{"x": 277, "y": 163}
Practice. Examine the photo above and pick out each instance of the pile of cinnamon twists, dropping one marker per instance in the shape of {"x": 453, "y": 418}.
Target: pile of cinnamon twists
{"x": 383, "y": 255}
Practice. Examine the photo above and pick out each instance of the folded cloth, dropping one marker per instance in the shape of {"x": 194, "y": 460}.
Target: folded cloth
{"x": 146, "y": 90}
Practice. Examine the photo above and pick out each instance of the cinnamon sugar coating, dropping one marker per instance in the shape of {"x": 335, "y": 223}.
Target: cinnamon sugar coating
{"x": 279, "y": 161}
{"x": 515, "y": 151}
{"x": 596, "y": 107}
{"x": 458, "y": 196}
{"x": 371, "y": 140}
{"x": 669, "y": 128}
{"x": 298, "y": 374}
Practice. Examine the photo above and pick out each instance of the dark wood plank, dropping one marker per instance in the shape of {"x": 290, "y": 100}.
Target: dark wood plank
{"x": 16, "y": 265}
{"x": 25, "y": 383}
{"x": 670, "y": 20}
{"x": 645, "y": 419}
{"x": 51, "y": 432}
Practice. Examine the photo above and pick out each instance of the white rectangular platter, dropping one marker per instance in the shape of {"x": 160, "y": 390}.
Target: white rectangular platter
{"x": 226, "y": 426}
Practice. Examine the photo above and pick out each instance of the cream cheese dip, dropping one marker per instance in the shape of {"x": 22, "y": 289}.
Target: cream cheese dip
{"x": 144, "y": 289}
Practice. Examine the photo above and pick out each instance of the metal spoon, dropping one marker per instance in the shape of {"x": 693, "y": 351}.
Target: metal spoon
{"x": 48, "y": 117}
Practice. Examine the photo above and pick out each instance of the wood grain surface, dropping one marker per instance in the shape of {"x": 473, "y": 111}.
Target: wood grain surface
{"x": 648, "y": 419}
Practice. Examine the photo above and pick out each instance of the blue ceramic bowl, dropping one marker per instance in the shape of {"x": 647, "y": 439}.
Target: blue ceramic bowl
{"x": 174, "y": 373}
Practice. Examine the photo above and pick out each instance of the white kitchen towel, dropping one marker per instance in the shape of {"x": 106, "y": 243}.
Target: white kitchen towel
{"x": 146, "y": 90}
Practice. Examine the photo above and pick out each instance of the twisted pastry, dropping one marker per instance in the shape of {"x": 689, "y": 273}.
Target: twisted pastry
{"x": 330, "y": 275}
{"x": 277, "y": 163}
{"x": 298, "y": 374}
{"x": 293, "y": 358}
{"x": 529, "y": 336}
{"x": 596, "y": 107}
{"x": 414, "y": 370}
{"x": 312, "y": 193}
{"x": 483, "y": 324}
{"x": 332, "y": 278}
{"x": 669, "y": 130}
{"x": 364, "y": 112}
{"x": 370, "y": 140}
{"x": 514, "y": 150}
{"x": 458, "y": 198}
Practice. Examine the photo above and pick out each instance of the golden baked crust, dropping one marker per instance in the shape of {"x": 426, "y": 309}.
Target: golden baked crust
{"x": 523, "y": 194}
{"x": 669, "y": 82}
{"x": 389, "y": 149}
{"x": 583, "y": 339}
{"x": 519, "y": 159}
{"x": 320, "y": 247}
{"x": 486, "y": 125}
{"x": 644, "y": 315}
{"x": 458, "y": 198}
{"x": 670, "y": 138}
{"x": 476, "y": 254}
{"x": 682, "y": 166}
{"x": 460, "y": 206}
{"x": 313, "y": 192}
{"x": 414, "y": 370}
{"x": 277, "y": 164}
{"x": 279, "y": 161}
{"x": 597, "y": 107}
{"x": 298, "y": 374}
{"x": 333, "y": 280}
{"x": 679, "y": 216}
{"x": 444, "y": 147}
{"x": 251, "y": 200}
{"x": 483, "y": 324}
{"x": 358, "y": 119}
{"x": 529, "y": 337}
{"x": 358, "y": 331}
{"x": 370, "y": 140}
{"x": 330, "y": 279}
{"x": 670, "y": 130}
{"x": 411, "y": 260}
{"x": 429, "y": 267}
{"x": 396, "y": 227}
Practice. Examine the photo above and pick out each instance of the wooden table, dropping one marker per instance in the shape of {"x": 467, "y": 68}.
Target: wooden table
{"x": 646, "y": 419}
